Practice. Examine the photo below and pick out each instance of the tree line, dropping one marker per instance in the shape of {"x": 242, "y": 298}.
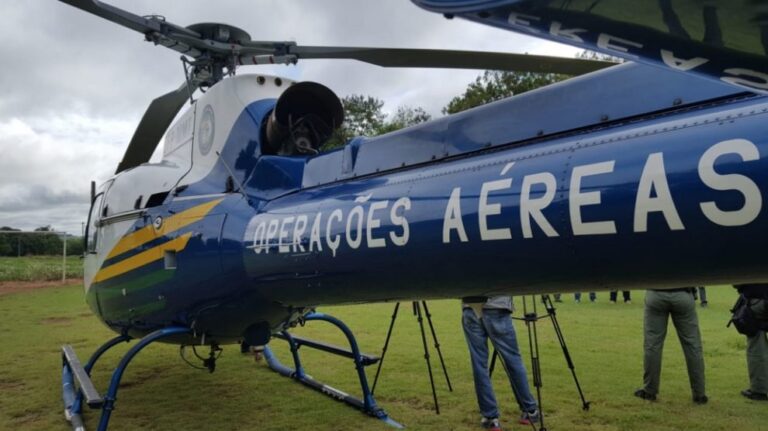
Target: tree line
{"x": 37, "y": 244}
{"x": 365, "y": 116}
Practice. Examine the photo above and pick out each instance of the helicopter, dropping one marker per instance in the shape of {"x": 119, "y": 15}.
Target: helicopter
{"x": 630, "y": 176}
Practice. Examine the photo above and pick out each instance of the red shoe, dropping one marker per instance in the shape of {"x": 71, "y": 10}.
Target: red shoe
{"x": 491, "y": 424}
{"x": 528, "y": 418}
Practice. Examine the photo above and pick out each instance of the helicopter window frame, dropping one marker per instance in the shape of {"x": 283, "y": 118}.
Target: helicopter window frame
{"x": 96, "y": 203}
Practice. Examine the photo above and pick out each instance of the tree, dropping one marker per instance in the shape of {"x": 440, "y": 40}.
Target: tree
{"x": 592, "y": 55}
{"x": 495, "y": 85}
{"x": 75, "y": 246}
{"x": 6, "y": 249}
{"x": 405, "y": 116}
{"x": 364, "y": 116}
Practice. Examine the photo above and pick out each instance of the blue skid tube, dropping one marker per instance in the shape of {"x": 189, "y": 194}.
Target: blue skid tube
{"x": 77, "y": 386}
{"x": 69, "y": 395}
{"x": 366, "y": 405}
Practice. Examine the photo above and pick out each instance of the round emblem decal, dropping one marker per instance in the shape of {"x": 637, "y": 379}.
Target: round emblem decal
{"x": 206, "y": 130}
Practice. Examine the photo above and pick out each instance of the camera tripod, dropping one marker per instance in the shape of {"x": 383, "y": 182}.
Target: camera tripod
{"x": 417, "y": 312}
{"x": 530, "y": 319}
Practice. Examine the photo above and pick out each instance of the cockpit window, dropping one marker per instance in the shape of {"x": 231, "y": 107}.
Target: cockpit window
{"x": 92, "y": 232}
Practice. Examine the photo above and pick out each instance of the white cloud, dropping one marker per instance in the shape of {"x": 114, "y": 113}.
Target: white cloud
{"x": 47, "y": 165}
{"x": 74, "y": 86}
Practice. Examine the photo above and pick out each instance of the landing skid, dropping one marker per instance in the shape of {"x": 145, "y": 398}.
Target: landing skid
{"x": 78, "y": 387}
{"x": 367, "y": 404}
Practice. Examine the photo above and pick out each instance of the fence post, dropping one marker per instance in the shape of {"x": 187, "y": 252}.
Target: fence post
{"x": 64, "y": 261}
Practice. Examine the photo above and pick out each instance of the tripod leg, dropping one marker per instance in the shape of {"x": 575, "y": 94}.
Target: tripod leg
{"x": 384, "y": 349}
{"x": 437, "y": 345}
{"x": 417, "y": 308}
{"x": 561, "y": 339}
{"x": 533, "y": 344}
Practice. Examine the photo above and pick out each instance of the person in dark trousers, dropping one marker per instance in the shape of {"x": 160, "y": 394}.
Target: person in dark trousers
{"x": 624, "y": 293}
{"x": 757, "y": 345}
{"x": 577, "y": 297}
{"x": 592, "y": 296}
{"x": 702, "y": 294}
{"x": 680, "y": 305}
{"x": 486, "y": 319}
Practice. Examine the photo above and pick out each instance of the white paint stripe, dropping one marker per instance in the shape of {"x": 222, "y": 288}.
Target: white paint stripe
{"x": 189, "y": 198}
{"x": 507, "y": 168}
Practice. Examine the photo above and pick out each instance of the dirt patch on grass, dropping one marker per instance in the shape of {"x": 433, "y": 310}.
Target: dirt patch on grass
{"x": 8, "y": 287}
{"x": 24, "y": 418}
{"x": 10, "y": 384}
{"x": 57, "y": 320}
{"x": 142, "y": 377}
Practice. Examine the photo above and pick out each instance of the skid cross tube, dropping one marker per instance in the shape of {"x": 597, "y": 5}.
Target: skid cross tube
{"x": 367, "y": 404}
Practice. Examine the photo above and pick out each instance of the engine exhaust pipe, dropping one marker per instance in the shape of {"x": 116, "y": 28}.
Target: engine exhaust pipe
{"x": 304, "y": 118}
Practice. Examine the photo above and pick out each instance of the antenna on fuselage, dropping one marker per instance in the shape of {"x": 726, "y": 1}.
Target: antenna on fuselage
{"x": 231, "y": 177}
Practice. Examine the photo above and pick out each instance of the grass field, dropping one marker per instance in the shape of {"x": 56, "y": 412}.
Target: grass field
{"x": 160, "y": 392}
{"x": 38, "y": 268}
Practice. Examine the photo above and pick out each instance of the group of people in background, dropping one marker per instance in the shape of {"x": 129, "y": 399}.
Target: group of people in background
{"x": 489, "y": 319}
{"x": 680, "y": 305}
{"x": 699, "y": 292}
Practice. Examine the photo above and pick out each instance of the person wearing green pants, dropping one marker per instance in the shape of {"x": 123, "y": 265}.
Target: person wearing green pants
{"x": 757, "y": 345}
{"x": 659, "y": 306}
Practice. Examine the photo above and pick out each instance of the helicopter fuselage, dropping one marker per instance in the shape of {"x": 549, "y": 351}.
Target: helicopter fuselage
{"x": 566, "y": 188}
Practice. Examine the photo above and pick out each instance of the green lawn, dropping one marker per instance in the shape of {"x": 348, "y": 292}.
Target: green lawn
{"x": 160, "y": 392}
{"x": 38, "y": 268}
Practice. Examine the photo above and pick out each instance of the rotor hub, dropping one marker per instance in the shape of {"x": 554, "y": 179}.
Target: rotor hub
{"x": 223, "y": 33}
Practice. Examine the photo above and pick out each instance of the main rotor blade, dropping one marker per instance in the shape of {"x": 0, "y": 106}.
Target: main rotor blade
{"x": 145, "y": 25}
{"x": 435, "y": 58}
{"x": 153, "y": 125}
{"x": 154, "y": 28}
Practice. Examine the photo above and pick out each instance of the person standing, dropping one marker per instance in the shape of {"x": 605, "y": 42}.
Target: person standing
{"x": 486, "y": 319}
{"x": 592, "y": 297}
{"x": 757, "y": 345}
{"x": 624, "y": 293}
{"x": 702, "y": 294}
{"x": 680, "y": 305}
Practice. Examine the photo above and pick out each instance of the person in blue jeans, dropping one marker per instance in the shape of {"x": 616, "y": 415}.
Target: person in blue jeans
{"x": 489, "y": 318}
{"x": 592, "y": 296}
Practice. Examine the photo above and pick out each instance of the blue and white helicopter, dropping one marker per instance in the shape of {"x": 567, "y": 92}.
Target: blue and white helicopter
{"x": 649, "y": 174}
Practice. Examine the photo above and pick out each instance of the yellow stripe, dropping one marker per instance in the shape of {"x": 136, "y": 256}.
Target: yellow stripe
{"x": 170, "y": 224}
{"x": 143, "y": 258}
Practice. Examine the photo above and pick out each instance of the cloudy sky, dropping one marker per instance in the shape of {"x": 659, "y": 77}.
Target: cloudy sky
{"x": 74, "y": 86}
